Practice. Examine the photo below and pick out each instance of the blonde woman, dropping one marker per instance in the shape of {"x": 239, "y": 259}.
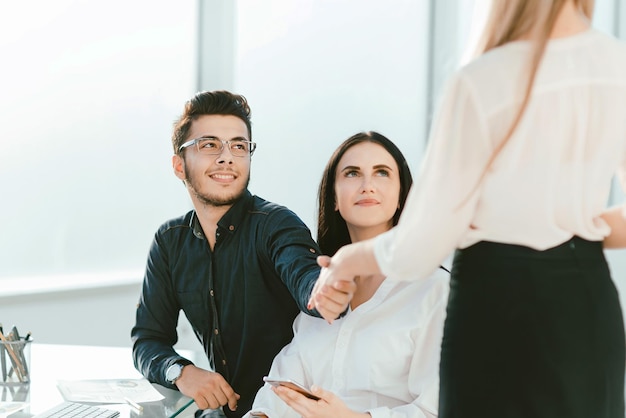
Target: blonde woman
{"x": 516, "y": 178}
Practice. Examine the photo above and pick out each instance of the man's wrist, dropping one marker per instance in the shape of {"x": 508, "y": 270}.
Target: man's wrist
{"x": 174, "y": 371}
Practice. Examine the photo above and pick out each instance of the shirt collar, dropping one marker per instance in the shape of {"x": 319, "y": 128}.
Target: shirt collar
{"x": 231, "y": 219}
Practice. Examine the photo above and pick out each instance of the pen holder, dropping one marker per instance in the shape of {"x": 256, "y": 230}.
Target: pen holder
{"x": 15, "y": 362}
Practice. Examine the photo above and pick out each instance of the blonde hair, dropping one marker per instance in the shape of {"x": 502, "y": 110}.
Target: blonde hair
{"x": 512, "y": 20}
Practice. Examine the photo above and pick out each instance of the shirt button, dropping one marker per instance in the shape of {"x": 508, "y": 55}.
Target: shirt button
{"x": 312, "y": 250}
{"x": 231, "y": 228}
{"x": 216, "y": 331}
{"x": 224, "y": 362}
{"x": 212, "y": 293}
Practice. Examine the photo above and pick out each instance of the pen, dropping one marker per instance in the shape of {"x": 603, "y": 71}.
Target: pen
{"x": 134, "y": 404}
{"x": 18, "y": 350}
{"x": 4, "y": 363}
{"x": 181, "y": 409}
{"x": 3, "y": 360}
{"x": 16, "y": 335}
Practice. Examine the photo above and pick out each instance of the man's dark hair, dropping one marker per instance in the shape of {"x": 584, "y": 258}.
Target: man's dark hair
{"x": 218, "y": 102}
{"x": 332, "y": 231}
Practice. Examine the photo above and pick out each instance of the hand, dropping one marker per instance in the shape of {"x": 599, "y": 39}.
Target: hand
{"x": 208, "y": 389}
{"x": 328, "y": 297}
{"x": 615, "y": 218}
{"x": 329, "y": 406}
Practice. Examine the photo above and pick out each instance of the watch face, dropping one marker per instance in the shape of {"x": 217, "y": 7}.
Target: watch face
{"x": 173, "y": 372}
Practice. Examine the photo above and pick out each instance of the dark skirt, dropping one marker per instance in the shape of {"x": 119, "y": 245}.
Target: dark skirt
{"x": 532, "y": 334}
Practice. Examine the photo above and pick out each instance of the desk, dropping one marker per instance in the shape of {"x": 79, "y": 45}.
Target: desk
{"x": 50, "y": 363}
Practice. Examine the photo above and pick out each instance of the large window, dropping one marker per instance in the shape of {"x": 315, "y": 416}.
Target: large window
{"x": 88, "y": 94}
{"x": 89, "y": 91}
{"x": 318, "y": 71}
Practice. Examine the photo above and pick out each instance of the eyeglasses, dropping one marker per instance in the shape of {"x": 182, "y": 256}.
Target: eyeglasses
{"x": 214, "y": 146}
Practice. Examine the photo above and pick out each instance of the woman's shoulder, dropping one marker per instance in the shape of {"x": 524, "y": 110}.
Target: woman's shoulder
{"x": 594, "y": 39}
{"x": 498, "y": 65}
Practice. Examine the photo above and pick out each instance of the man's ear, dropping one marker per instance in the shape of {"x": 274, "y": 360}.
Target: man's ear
{"x": 178, "y": 164}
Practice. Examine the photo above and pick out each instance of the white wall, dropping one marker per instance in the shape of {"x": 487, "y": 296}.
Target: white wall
{"x": 99, "y": 316}
{"x": 88, "y": 316}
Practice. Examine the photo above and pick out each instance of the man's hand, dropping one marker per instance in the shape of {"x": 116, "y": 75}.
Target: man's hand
{"x": 329, "y": 406}
{"x": 208, "y": 389}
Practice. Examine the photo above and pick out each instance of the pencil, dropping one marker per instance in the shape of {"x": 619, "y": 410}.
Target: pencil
{"x": 22, "y": 347}
{"x": 16, "y": 361}
{"x": 181, "y": 409}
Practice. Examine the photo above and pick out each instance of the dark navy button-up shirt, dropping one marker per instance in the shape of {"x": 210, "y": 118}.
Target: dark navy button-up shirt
{"x": 241, "y": 298}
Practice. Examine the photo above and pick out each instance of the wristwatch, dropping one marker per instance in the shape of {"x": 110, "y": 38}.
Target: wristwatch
{"x": 173, "y": 373}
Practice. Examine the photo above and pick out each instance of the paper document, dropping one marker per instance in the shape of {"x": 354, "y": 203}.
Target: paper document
{"x": 7, "y": 408}
{"x": 108, "y": 391}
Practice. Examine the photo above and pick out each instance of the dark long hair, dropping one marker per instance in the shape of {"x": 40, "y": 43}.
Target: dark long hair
{"x": 332, "y": 231}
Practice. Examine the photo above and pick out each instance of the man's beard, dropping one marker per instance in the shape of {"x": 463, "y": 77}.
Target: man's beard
{"x": 213, "y": 200}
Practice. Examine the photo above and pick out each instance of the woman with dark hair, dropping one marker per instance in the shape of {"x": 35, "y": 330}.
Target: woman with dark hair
{"x": 381, "y": 358}
{"x": 332, "y": 231}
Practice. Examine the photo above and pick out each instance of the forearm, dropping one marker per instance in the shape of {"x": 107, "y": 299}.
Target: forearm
{"x": 614, "y": 217}
{"x": 288, "y": 247}
{"x": 152, "y": 358}
{"x": 153, "y": 344}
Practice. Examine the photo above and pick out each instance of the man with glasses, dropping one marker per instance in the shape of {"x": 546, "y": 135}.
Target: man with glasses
{"x": 239, "y": 267}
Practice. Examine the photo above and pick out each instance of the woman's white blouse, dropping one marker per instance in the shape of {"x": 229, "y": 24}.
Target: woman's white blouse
{"x": 552, "y": 179}
{"x": 382, "y": 357}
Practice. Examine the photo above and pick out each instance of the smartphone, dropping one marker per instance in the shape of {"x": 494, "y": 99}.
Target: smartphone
{"x": 291, "y": 385}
